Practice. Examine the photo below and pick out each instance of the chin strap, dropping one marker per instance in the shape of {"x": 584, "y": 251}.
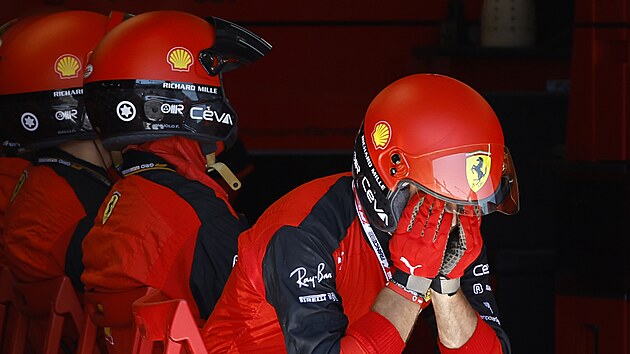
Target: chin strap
{"x": 223, "y": 170}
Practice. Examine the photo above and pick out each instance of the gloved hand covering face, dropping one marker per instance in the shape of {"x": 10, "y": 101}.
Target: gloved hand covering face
{"x": 463, "y": 246}
{"x": 432, "y": 244}
{"x": 417, "y": 246}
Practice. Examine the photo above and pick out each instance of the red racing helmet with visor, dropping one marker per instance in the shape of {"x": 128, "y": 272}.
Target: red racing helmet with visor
{"x": 439, "y": 135}
{"x": 159, "y": 74}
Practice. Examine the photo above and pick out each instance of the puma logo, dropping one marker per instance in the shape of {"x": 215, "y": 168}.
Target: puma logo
{"x": 411, "y": 268}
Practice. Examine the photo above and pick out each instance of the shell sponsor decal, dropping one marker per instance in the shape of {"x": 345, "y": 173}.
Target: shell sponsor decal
{"x": 477, "y": 169}
{"x": 109, "y": 208}
{"x": 180, "y": 59}
{"x": 18, "y": 185}
{"x": 381, "y": 135}
{"x": 68, "y": 66}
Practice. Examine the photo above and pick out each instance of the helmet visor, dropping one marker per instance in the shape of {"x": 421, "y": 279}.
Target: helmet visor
{"x": 476, "y": 179}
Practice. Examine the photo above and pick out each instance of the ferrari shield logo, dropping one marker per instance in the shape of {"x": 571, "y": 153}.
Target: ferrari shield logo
{"x": 109, "y": 208}
{"x": 477, "y": 170}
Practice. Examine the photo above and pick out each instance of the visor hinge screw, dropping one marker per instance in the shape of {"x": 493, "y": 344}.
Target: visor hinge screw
{"x": 396, "y": 159}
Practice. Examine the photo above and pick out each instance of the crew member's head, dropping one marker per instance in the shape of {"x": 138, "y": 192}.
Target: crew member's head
{"x": 42, "y": 62}
{"x": 159, "y": 74}
{"x": 438, "y": 136}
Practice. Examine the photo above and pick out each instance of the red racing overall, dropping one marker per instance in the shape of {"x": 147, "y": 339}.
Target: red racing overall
{"x": 165, "y": 224}
{"x": 11, "y": 169}
{"x": 307, "y": 277}
{"x": 51, "y": 212}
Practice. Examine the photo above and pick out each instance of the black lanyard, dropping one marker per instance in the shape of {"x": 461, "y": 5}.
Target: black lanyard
{"x": 146, "y": 167}
{"x": 90, "y": 172}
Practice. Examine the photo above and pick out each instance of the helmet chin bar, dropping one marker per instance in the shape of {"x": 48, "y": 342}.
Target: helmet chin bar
{"x": 228, "y": 176}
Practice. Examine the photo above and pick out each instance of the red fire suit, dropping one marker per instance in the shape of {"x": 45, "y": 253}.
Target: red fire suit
{"x": 306, "y": 277}
{"x": 11, "y": 168}
{"x": 50, "y": 214}
{"x": 165, "y": 224}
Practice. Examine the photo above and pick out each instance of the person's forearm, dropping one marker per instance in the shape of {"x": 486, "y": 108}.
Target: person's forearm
{"x": 385, "y": 329}
{"x": 401, "y": 312}
{"x": 456, "y": 319}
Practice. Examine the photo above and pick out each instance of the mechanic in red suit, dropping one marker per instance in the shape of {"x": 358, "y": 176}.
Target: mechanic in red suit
{"x": 156, "y": 94}
{"x": 12, "y": 166}
{"x": 13, "y": 160}
{"x": 346, "y": 263}
{"x": 53, "y": 205}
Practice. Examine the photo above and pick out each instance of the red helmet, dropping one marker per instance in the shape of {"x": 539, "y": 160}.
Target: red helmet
{"x": 42, "y": 61}
{"x": 159, "y": 74}
{"x": 440, "y": 135}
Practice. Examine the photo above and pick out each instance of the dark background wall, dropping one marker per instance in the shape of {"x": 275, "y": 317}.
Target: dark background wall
{"x": 300, "y": 107}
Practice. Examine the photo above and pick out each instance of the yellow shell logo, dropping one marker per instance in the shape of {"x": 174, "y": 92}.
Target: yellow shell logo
{"x": 68, "y": 66}
{"x": 477, "y": 169}
{"x": 18, "y": 185}
{"x": 109, "y": 208}
{"x": 381, "y": 134}
{"x": 180, "y": 59}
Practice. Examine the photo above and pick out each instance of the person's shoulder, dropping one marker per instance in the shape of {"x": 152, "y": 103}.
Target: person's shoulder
{"x": 44, "y": 175}
{"x": 13, "y": 166}
{"x": 293, "y": 207}
{"x": 317, "y": 187}
{"x": 43, "y": 191}
{"x": 289, "y": 213}
{"x": 135, "y": 203}
{"x": 12, "y": 173}
{"x": 141, "y": 192}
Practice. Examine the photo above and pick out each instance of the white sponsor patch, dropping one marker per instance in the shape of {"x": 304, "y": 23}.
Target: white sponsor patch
{"x": 162, "y": 126}
{"x": 318, "y": 298}
{"x": 487, "y": 304}
{"x": 30, "y": 122}
{"x": 68, "y": 114}
{"x": 170, "y": 108}
{"x": 481, "y": 270}
{"x": 64, "y": 93}
{"x": 206, "y": 113}
{"x": 126, "y": 111}
{"x": 490, "y": 318}
{"x": 310, "y": 281}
